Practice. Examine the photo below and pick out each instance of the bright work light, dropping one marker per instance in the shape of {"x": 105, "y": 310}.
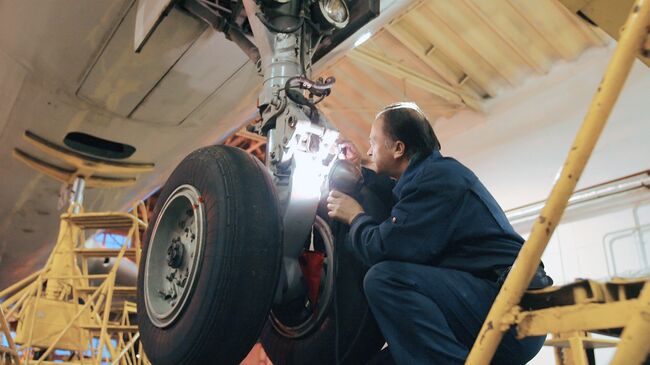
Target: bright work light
{"x": 335, "y": 12}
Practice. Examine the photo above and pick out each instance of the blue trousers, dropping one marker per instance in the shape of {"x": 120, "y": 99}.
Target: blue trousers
{"x": 432, "y": 315}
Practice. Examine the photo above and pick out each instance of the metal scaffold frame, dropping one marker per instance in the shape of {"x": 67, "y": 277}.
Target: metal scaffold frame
{"x": 86, "y": 304}
{"x": 65, "y": 306}
{"x": 8, "y": 355}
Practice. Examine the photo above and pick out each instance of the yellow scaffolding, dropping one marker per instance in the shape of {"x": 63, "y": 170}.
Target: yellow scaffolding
{"x": 505, "y": 311}
{"x": 64, "y": 306}
{"x": 8, "y": 355}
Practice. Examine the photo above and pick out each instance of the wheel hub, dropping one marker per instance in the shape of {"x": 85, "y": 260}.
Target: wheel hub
{"x": 173, "y": 255}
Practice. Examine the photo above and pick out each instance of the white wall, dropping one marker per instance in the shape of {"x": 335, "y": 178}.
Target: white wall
{"x": 518, "y": 146}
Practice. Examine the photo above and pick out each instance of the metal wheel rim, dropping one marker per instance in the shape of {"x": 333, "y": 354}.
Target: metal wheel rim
{"x": 325, "y": 296}
{"x": 167, "y": 288}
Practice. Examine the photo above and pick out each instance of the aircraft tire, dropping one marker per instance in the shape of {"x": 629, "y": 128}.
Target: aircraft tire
{"x": 348, "y": 334}
{"x": 219, "y": 311}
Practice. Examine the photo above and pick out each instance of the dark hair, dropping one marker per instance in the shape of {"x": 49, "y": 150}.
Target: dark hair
{"x": 405, "y": 122}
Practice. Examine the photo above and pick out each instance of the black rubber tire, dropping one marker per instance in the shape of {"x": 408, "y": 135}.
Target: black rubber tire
{"x": 239, "y": 269}
{"x": 348, "y": 333}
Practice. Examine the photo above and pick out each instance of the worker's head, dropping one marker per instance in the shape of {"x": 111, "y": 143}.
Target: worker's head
{"x": 400, "y": 133}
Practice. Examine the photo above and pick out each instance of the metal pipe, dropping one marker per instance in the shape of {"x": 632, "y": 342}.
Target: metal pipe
{"x": 637, "y": 224}
{"x": 633, "y": 36}
{"x": 14, "y": 288}
{"x": 11, "y": 349}
{"x": 610, "y": 238}
{"x": 77, "y": 194}
{"x": 127, "y": 347}
{"x": 609, "y": 252}
{"x": 590, "y": 194}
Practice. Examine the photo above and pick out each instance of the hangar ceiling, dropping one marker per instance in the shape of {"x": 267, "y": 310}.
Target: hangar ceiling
{"x": 453, "y": 55}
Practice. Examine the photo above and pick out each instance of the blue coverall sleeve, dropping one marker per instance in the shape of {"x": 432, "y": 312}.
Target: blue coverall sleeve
{"x": 417, "y": 230}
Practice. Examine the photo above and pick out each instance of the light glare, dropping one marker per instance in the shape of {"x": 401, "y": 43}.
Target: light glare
{"x": 364, "y": 37}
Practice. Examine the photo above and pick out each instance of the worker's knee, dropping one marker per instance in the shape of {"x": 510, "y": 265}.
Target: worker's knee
{"x": 395, "y": 278}
{"x": 382, "y": 278}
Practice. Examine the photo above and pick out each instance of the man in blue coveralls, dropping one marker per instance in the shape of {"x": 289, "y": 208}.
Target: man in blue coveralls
{"x": 437, "y": 262}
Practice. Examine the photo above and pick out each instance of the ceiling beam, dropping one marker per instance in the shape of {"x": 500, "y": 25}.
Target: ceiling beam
{"x": 353, "y": 77}
{"x": 426, "y": 56}
{"x": 398, "y": 70}
{"x": 524, "y": 56}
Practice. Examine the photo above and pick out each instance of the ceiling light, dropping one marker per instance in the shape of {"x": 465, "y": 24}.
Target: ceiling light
{"x": 334, "y": 12}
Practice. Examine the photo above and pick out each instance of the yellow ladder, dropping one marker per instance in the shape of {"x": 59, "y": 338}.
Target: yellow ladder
{"x": 572, "y": 311}
{"x": 506, "y": 311}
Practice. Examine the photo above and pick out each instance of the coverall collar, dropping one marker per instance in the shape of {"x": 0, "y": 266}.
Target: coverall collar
{"x": 412, "y": 170}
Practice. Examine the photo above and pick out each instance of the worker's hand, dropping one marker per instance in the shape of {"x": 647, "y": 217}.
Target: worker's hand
{"x": 349, "y": 151}
{"x": 342, "y": 207}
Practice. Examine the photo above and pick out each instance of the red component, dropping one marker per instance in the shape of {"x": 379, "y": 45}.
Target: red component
{"x": 311, "y": 264}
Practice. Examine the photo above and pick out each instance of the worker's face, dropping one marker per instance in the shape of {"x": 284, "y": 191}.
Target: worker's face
{"x": 382, "y": 151}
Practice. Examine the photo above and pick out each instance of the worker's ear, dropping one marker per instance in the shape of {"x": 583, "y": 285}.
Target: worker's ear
{"x": 399, "y": 149}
